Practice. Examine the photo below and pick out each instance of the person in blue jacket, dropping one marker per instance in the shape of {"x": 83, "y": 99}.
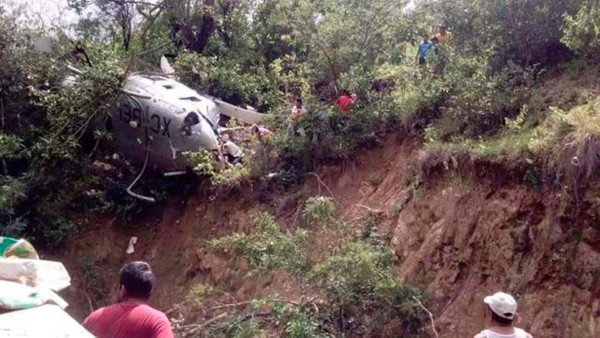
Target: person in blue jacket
{"x": 424, "y": 48}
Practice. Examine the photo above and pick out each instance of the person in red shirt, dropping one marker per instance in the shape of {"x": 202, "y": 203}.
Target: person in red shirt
{"x": 345, "y": 101}
{"x": 131, "y": 317}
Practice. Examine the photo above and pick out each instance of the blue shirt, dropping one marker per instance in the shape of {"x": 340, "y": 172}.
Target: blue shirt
{"x": 424, "y": 49}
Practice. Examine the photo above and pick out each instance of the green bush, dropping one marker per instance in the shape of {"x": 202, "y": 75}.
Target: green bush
{"x": 93, "y": 284}
{"x": 44, "y": 174}
{"x": 581, "y": 32}
{"x": 302, "y": 325}
{"x": 527, "y": 31}
{"x": 201, "y": 162}
{"x": 230, "y": 79}
{"x": 269, "y": 247}
{"x": 357, "y": 285}
{"x": 319, "y": 210}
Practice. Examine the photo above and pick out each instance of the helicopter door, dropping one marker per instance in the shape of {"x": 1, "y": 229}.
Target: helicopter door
{"x": 127, "y": 125}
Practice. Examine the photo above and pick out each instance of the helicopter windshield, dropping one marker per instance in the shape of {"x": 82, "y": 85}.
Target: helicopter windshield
{"x": 189, "y": 121}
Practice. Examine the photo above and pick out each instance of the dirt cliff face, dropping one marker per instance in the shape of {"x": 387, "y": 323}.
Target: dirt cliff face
{"x": 459, "y": 236}
{"x": 464, "y": 241}
{"x": 466, "y": 235}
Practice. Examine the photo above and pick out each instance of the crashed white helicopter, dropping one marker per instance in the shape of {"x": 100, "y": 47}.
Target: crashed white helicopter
{"x": 156, "y": 118}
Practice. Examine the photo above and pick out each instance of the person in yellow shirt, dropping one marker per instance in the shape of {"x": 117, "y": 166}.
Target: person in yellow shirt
{"x": 443, "y": 35}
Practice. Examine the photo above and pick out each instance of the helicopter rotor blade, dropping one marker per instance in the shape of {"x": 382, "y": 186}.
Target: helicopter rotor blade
{"x": 244, "y": 115}
{"x": 165, "y": 66}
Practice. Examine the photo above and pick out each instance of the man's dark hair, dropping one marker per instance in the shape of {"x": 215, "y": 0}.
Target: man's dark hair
{"x": 137, "y": 279}
{"x": 299, "y": 100}
{"x": 501, "y": 321}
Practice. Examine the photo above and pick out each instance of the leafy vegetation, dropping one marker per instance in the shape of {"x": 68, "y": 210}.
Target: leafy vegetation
{"x": 358, "y": 291}
{"x": 269, "y": 247}
{"x": 96, "y": 290}
{"x": 582, "y": 30}
{"x": 474, "y": 99}
{"x": 265, "y": 54}
{"x": 319, "y": 210}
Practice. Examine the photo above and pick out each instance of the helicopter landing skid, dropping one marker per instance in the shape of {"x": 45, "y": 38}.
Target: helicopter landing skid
{"x": 129, "y": 191}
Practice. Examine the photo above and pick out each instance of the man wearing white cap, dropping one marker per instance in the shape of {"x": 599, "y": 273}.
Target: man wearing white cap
{"x": 501, "y": 312}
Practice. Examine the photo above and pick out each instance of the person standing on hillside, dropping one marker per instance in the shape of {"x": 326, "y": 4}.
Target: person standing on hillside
{"x": 131, "y": 317}
{"x": 345, "y": 101}
{"x": 297, "y": 110}
{"x": 443, "y": 35}
{"x": 424, "y": 48}
{"x": 501, "y": 312}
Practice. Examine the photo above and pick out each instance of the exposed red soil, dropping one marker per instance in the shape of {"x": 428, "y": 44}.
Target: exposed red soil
{"x": 458, "y": 236}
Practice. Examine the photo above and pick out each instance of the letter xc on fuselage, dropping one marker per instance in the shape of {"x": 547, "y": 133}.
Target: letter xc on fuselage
{"x": 126, "y": 114}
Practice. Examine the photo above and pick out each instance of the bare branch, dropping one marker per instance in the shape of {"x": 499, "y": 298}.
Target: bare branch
{"x": 230, "y": 305}
{"x": 324, "y": 185}
{"x": 152, "y": 50}
{"x": 430, "y": 315}
{"x": 373, "y": 211}
{"x": 197, "y": 327}
{"x": 309, "y": 301}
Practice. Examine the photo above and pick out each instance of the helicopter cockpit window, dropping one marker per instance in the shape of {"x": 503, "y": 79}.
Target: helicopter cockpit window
{"x": 190, "y": 120}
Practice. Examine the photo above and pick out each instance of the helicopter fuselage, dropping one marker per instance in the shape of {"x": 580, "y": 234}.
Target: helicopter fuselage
{"x": 157, "y": 118}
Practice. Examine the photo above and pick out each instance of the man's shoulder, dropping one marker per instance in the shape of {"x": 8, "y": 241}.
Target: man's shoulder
{"x": 523, "y": 332}
{"x": 102, "y": 314}
{"x": 104, "y": 309}
{"x": 149, "y": 310}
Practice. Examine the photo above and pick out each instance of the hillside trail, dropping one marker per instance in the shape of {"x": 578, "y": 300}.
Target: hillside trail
{"x": 459, "y": 235}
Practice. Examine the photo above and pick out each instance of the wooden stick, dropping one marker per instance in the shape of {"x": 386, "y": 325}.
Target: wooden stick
{"x": 249, "y": 301}
{"x": 430, "y": 315}
{"x": 198, "y": 327}
{"x": 230, "y": 305}
{"x": 85, "y": 292}
{"x": 374, "y": 211}
{"x": 324, "y": 185}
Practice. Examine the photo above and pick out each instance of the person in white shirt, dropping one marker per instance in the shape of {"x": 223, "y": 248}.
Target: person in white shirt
{"x": 232, "y": 152}
{"x": 501, "y": 313}
{"x": 297, "y": 110}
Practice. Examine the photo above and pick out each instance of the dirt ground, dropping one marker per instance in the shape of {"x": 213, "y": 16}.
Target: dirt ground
{"x": 460, "y": 237}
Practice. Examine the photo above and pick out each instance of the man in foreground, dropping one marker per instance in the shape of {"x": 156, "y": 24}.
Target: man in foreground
{"x": 501, "y": 312}
{"x": 131, "y": 317}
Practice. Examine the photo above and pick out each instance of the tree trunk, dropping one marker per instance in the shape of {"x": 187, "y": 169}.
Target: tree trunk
{"x": 206, "y": 30}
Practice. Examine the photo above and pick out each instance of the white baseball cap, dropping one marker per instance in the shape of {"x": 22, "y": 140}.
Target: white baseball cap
{"x": 503, "y": 304}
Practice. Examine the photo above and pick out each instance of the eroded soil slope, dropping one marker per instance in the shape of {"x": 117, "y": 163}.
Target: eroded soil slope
{"x": 458, "y": 235}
